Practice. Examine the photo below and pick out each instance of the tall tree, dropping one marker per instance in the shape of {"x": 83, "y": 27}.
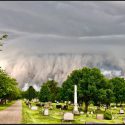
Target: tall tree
{"x": 49, "y": 91}
{"x": 31, "y": 93}
{"x": 104, "y": 93}
{"x": 8, "y": 86}
{"x": 44, "y": 95}
{"x": 88, "y": 81}
{"x": 118, "y": 89}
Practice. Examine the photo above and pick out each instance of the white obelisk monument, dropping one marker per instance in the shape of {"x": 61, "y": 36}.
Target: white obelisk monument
{"x": 75, "y": 110}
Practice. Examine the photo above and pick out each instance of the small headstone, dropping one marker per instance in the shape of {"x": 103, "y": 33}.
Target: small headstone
{"x": 100, "y": 116}
{"x": 121, "y": 111}
{"x": 34, "y": 108}
{"x": 69, "y": 102}
{"x": 81, "y": 113}
{"x": 68, "y": 116}
{"x": 87, "y": 112}
{"x": 46, "y": 111}
{"x": 91, "y": 112}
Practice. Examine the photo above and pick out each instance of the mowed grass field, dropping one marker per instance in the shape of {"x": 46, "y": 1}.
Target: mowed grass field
{"x": 56, "y": 115}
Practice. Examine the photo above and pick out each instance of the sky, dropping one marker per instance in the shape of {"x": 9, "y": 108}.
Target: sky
{"x": 38, "y": 29}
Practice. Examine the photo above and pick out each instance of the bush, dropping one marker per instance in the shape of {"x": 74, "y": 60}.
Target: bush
{"x": 108, "y": 115}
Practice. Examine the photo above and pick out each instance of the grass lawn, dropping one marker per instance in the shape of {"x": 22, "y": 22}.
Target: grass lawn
{"x": 4, "y": 106}
{"x": 55, "y": 116}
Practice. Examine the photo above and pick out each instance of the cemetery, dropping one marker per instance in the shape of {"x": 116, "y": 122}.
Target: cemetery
{"x": 99, "y": 101}
{"x": 48, "y": 112}
{"x": 44, "y": 115}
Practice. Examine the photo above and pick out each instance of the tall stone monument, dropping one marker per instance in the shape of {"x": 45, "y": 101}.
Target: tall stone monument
{"x": 75, "y": 110}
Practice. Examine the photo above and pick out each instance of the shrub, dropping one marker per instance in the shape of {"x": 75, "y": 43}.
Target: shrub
{"x": 108, "y": 115}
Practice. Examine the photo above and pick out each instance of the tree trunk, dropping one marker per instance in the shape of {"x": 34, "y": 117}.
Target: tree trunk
{"x": 5, "y": 101}
{"x": 86, "y": 106}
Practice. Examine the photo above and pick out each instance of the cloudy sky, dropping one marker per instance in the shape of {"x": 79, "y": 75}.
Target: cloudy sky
{"x": 46, "y": 27}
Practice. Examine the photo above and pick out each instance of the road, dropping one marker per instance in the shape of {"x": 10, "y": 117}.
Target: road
{"x": 12, "y": 115}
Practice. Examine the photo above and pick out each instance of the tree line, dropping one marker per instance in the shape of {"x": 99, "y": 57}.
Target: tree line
{"x": 93, "y": 87}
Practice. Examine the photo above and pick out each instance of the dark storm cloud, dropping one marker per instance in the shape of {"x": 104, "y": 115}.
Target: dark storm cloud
{"x": 38, "y": 28}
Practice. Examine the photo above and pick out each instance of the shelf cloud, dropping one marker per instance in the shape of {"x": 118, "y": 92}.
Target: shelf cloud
{"x": 50, "y": 38}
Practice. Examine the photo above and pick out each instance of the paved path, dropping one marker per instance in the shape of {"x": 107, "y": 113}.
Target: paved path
{"x": 12, "y": 115}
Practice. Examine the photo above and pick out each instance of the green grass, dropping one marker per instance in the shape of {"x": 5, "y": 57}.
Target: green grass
{"x": 55, "y": 116}
{"x": 35, "y": 117}
{"x": 4, "y": 106}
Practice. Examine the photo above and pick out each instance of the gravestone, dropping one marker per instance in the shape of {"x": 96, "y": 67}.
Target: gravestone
{"x": 92, "y": 112}
{"x": 121, "y": 111}
{"x": 46, "y": 105}
{"x": 69, "y": 102}
{"x": 81, "y": 113}
{"x": 46, "y": 111}
{"x": 34, "y": 108}
{"x": 100, "y": 116}
{"x": 68, "y": 116}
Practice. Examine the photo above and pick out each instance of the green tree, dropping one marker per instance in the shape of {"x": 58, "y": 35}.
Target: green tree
{"x": 49, "y": 91}
{"x": 87, "y": 80}
{"x": 44, "y": 95}
{"x": 118, "y": 89}
{"x": 67, "y": 92}
{"x": 8, "y": 86}
{"x": 104, "y": 93}
{"x": 31, "y": 93}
